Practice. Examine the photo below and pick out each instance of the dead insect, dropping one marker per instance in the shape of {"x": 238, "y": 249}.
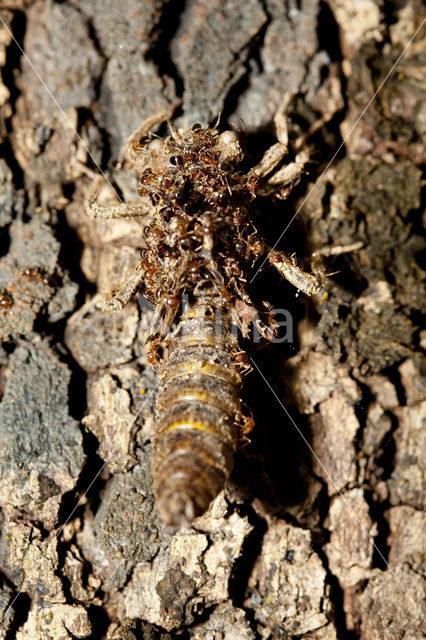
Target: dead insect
{"x": 200, "y": 247}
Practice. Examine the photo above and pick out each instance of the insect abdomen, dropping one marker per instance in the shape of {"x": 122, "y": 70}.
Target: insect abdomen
{"x": 198, "y": 412}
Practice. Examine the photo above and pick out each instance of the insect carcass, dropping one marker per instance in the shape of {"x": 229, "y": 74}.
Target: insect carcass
{"x": 200, "y": 247}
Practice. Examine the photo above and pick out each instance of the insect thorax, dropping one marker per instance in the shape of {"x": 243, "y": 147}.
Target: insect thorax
{"x": 200, "y": 232}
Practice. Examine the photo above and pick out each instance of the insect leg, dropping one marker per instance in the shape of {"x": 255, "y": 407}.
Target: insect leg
{"x": 280, "y": 120}
{"x": 127, "y": 291}
{"x": 288, "y": 267}
{"x": 281, "y": 183}
{"x": 270, "y": 160}
{"x": 338, "y": 250}
{"x": 278, "y": 151}
{"x": 122, "y": 210}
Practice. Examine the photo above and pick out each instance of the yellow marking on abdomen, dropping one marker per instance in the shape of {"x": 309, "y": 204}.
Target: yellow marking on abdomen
{"x": 204, "y": 368}
{"x": 189, "y": 424}
{"x": 209, "y": 398}
{"x": 188, "y": 341}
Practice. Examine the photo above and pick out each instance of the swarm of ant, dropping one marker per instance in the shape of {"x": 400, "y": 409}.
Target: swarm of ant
{"x": 201, "y": 243}
{"x": 201, "y": 235}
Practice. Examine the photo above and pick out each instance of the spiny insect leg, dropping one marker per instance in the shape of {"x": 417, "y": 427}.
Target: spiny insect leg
{"x": 280, "y": 120}
{"x": 282, "y": 181}
{"x": 122, "y": 210}
{"x": 288, "y": 175}
{"x": 274, "y": 155}
{"x": 338, "y": 250}
{"x": 127, "y": 291}
{"x": 269, "y": 162}
{"x": 288, "y": 267}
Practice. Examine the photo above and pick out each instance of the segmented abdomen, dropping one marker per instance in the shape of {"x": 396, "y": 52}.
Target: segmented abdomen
{"x": 198, "y": 414}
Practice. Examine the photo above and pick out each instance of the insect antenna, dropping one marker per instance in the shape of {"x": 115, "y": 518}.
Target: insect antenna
{"x": 216, "y": 124}
{"x": 174, "y": 132}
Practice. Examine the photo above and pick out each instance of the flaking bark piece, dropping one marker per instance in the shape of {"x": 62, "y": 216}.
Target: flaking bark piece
{"x": 287, "y": 587}
{"x": 58, "y": 46}
{"x": 290, "y": 42}
{"x": 56, "y": 622}
{"x": 392, "y": 128}
{"x": 384, "y": 391}
{"x": 69, "y": 64}
{"x": 97, "y": 339}
{"x": 122, "y": 102}
{"x": 42, "y": 444}
{"x": 350, "y": 549}
{"x": 7, "y": 612}
{"x": 191, "y": 572}
{"x": 125, "y": 530}
{"x": 226, "y": 622}
{"x": 358, "y": 24}
{"x": 407, "y": 483}
{"x": 126, "y": 26}
{"x": 8, "y": 196}
{"x": 407, "y": 538}
{"x": 393, "y": 605}
{"x": 46, "y": 153}
{"x": 334, "y": 432}
{"x": 377, "y": 426}
{"x": 315, "y": 378}
{"x": 328, "y": 632}
{"x": 125, "y": 523}
{"x": 413, "y": 378}
{"x": 112, "y": 422}
{"x": 31, "y": 281}
{"x": 33, "y": 562}
{"x": 136, "y": 630}
{"x": 210, "y": 49}
{"x": 82, "y": 584}
{"x": 5, "y": 35}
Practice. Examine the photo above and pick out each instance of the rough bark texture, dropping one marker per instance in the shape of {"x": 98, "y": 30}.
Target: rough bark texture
{"x": 320, "y": 533}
